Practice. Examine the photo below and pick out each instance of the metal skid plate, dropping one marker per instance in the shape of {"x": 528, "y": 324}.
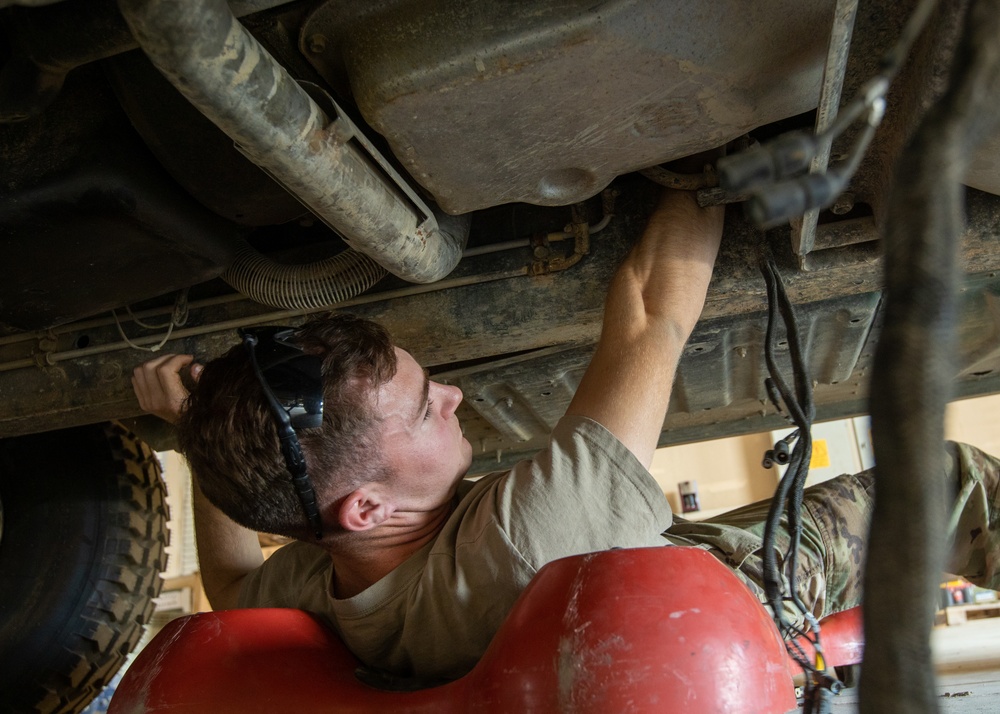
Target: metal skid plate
{"x": 510, "y": 408}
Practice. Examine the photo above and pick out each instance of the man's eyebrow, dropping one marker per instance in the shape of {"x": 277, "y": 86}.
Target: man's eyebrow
{"x": 422, "y": 404}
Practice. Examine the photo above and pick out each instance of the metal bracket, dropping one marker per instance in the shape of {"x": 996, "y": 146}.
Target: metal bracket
{"x": 803, "y": 234}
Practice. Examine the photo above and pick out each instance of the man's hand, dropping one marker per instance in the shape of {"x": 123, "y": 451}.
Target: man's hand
{"x": 227, "y": 552}
{"x": 159, "y": 385}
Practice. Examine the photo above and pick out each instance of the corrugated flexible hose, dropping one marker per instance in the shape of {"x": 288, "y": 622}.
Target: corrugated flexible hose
{"x": 313, "y": 285}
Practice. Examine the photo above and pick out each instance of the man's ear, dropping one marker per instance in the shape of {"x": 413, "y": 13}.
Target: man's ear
{"x": 363, "y": 509}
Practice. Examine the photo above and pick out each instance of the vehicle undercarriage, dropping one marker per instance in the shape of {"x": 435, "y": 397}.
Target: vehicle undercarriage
{"x": 468, "y": 174}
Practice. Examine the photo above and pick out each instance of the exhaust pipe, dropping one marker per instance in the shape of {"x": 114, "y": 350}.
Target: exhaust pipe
{"x": 205, "y": 52}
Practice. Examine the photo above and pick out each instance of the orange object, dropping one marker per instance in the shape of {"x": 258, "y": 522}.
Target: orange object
{"x": 642, "y": 630}
{"x": 842, "y": 637}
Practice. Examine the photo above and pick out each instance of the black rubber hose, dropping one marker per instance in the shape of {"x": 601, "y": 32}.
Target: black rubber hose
{"x": 913, "y": 372}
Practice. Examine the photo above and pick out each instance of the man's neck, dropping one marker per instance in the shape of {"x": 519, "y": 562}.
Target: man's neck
{"x": 368, "y": 557}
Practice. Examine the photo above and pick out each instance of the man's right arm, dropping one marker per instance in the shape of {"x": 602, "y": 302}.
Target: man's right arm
{"x": 653, "y": 304}
{"x": 227, "y": 552}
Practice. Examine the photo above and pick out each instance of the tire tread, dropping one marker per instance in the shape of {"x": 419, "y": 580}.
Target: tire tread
{"x": 129, "y": 577}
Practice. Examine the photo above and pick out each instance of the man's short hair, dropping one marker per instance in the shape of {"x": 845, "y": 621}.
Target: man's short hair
{"x": 229, "y": 437}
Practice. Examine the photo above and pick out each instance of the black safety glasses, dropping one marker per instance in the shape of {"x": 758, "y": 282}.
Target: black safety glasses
{"x": 293, "y": 386}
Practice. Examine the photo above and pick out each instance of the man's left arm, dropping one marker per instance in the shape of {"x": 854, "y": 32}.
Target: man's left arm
{"x": 227, "y": 552}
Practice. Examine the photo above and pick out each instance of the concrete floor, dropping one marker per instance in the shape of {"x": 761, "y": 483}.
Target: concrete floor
{"x": 968, "y": 665}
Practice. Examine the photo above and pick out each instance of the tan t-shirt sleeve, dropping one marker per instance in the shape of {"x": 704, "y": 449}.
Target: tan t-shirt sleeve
{"x": 296, "y": 575}
{"x": 585, "y": 492}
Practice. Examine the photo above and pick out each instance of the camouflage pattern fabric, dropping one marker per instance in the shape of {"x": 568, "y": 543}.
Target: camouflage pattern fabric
{"x": 974, "y": 527}
{"x": 835, "y": 518}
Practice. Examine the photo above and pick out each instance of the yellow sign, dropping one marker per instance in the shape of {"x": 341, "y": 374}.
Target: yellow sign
{"x": 820, "y": 455}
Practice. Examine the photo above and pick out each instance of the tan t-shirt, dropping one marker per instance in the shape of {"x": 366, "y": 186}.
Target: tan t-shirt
{"x": 434, "y": 615}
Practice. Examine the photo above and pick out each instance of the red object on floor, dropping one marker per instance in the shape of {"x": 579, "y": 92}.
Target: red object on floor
{"x": 642, "y": 630}
{"x": 842, "y": 637}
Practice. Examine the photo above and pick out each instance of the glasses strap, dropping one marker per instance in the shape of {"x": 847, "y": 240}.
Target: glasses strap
{"x": 291, "y": 449}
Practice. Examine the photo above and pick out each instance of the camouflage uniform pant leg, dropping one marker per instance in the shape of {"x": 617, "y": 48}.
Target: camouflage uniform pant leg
{"x": 828, "y": 572}
{"x": 835, "y": 521}
{"x": 975, "y": 518}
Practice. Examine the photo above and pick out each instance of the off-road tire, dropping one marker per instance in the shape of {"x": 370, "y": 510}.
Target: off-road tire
{"x": 82, "y": 548}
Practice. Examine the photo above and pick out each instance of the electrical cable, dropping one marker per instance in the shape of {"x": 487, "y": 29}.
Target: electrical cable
{"x": 777, "y": 173}
{"x": 178, "y": 318}
{"x": 796, "y": 401}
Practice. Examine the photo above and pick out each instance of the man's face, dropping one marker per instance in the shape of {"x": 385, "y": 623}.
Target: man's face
{"x": 422, "y": 441}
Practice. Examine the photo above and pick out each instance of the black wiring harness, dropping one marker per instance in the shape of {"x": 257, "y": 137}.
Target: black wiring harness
{"x": 795, "y": 450}
{"x": 781, "y": 184}
{"x": 777, "y": 175}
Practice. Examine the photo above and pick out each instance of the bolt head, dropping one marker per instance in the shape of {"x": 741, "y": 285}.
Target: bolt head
{"x": 317, "y": 44}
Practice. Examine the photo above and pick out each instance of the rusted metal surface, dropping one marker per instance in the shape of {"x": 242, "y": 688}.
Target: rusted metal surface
{"x": 517, "y": 345}
{"x": 719, "y": 389}
{"x": 920, "y": 81}
{"x": 698, "y": 76}
{"x": 684, "y": 182}
{"x": 482, "y": 103}
{"x": 216, "y": 63}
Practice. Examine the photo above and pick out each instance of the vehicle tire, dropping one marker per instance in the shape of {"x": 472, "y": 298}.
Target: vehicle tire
{"x": 82, "y": 548}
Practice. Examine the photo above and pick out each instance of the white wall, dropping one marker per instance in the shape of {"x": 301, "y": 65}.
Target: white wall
{"x": 975, "y": 421}
{"x": 729, "y": 472}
